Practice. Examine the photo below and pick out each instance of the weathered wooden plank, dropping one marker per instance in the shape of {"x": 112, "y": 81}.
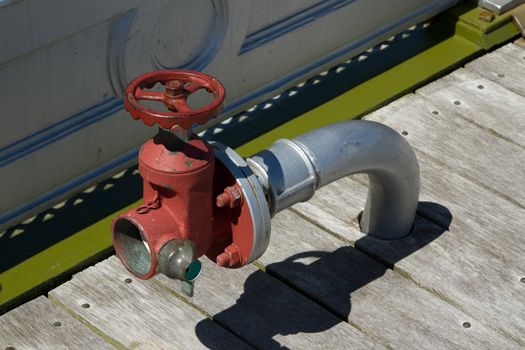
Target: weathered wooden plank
{"x": 478, "y": 155}
{"x": 377, "y": 300}
{"x": 336, "y": 207}
{"x": 465, "y": 273}
{"x": 138, "y": 314}
{"x": 474, "y": 207}
{"x": 447, "y": 199}
{"x": 505, "y": 66}
{"x": 267, "y": 313}
{"x": 493, "y": 221}
{"x": 469, "y": 267}
{"x": 481, "y": 101}
{"x": 481, "y": 260}
{"x": 39, "y": 324}
{"x": 478, "y": 265}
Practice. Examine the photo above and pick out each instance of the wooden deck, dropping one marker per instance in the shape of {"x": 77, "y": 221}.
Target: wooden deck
{"x": 457, "y": 282}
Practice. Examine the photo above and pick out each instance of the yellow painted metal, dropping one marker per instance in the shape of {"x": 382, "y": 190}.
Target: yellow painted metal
{"x": 473, "y": 24}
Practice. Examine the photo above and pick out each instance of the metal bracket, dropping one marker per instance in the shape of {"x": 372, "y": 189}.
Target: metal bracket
{"x": 499, "y": 6}
{"x": 519, "y": 19}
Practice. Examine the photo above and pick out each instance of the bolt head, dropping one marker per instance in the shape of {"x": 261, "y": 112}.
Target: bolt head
{"x": 230, "y": 257}
{"x": 231, "y": 197}
{"x": 235, "y": 196}
{"x": 173, "y": 85}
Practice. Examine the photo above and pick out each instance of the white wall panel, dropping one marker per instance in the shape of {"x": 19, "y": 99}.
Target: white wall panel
{"x": 64, "y": 64}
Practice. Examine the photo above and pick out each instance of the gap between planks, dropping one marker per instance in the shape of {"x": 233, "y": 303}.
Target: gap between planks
{"x": 40, "y": 324}
{"x": 138, "y": 313}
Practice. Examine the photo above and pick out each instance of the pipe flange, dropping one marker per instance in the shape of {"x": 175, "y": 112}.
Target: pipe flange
{"x": 253, "y": 198}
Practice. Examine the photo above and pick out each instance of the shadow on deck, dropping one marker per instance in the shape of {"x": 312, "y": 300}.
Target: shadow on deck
{"x": 338, "y": 274}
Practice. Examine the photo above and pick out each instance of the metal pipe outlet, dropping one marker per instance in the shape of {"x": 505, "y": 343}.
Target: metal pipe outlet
{"x": 292, "y": 170}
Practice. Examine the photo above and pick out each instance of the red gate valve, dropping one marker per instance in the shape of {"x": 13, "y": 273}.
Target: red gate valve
{"x": 199, "y": 198}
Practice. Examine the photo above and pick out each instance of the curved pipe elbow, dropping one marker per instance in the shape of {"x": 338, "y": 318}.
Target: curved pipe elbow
{"x": 292, "y": 170}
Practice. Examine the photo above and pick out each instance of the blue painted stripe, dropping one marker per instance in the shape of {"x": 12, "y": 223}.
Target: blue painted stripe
{"x": 346, "y": 51}
{"x": 59, "y": 130}
{"x": 291, "y": 23}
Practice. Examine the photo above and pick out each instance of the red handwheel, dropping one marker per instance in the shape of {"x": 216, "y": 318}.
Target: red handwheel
{"x": 179, "y": 85}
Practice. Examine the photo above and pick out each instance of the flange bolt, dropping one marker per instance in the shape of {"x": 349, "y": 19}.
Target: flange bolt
{"x": 230, "y": 257}
{"x": 231, "y": 197}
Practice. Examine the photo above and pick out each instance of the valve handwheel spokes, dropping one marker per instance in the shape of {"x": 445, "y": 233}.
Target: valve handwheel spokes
{"x": 179, "y": 85}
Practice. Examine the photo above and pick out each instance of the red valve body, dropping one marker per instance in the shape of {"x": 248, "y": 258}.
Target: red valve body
{"x": 188, "y": 195}
{"x": 178, "y": 196}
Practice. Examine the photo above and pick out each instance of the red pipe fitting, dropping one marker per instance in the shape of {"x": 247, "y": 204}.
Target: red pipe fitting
{"x": 178, "y": 197}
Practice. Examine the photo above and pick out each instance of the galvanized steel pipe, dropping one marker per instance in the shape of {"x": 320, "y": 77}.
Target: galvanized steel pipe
{"x": 292, "y": 170}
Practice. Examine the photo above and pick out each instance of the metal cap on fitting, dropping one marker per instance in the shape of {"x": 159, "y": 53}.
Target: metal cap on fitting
{"x": 176, "y": 260}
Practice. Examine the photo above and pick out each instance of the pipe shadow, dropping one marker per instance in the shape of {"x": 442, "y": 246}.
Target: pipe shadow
{"x": 268, "y": 309}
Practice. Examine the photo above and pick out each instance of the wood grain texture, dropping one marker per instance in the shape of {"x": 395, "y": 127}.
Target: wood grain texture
{"x": 329, "y": 207}
{"x": 471, "y": 267}
{"x": 482, "y": 102}
{"x": 469, "y": 203}
{"x": 447, "y": 199}
{"x": 505, "y": 66}
{"x": 481, "y": 258}
{"x": 468, "y": 149}
{"x": 377, "y": 300}
{"x": 475, "y": 211}
{"x": 39, "y": 324}
{"x": 139, "y": 314}
{"x": 267, "y": 313}
{"x": 477, "y": 265}
{"x": 463, "y": 272}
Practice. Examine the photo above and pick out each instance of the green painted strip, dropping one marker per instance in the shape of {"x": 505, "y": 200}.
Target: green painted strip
{"x": 43, "y": 270}
{"x": 69, "y": 255}
{"x": 486, "y": 41}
